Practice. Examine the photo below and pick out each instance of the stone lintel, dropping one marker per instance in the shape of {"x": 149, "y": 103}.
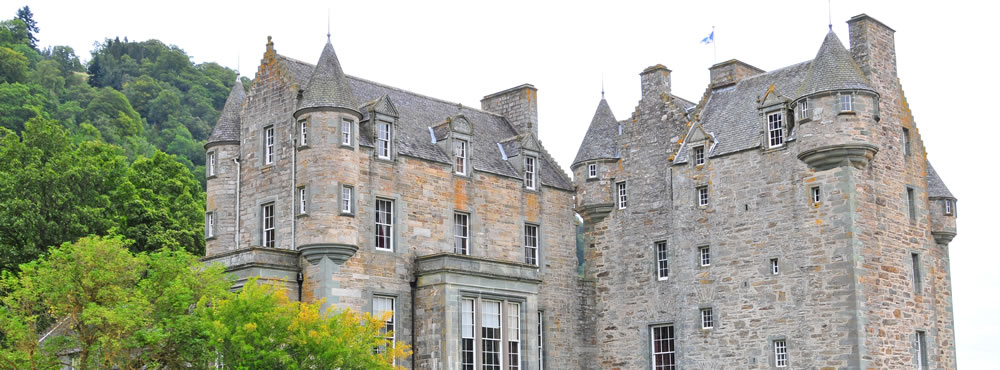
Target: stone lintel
{"x": 338, "y": 253}
{"x": 943, "y": 237}
{"x": 833, "y": 156}
{"x": 450, "y": 268}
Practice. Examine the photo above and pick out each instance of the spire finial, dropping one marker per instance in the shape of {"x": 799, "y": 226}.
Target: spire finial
{"x": 829, "y": 12}
{"x": 237, "y": 65}
{"x": 327, "y": 24}
{"x": 602, "y": 85}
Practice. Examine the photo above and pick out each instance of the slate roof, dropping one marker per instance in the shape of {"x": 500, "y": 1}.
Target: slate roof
{"x": 833, "y": 69}
{"x": 599, "y": 142}
{"x": 327, "y": 86}
{"x": 936, "y": 187}
{"x": 418, "y": 112}
{"x": 227, "y": 128}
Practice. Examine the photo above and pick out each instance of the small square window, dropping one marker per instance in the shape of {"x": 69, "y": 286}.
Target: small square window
{"x": 846, "y": 103}
{"x": 780, "y": 353}
{"x": 699, "y": 155}
{"x": 706, "y": 318}
{"x": 592, "y": 171}
{"x": 949, "y": 207}
{"x": 775, "y": 129}
{"x": 704, "y": 256}
{"x": 774, "y": 266}
{"x": 815, "y": 195}
{"x": 622, "y": 195}
{"x": 702, "y": 192}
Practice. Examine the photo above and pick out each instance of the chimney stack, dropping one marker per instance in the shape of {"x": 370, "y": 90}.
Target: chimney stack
{"x": 873, "y": 47}
{"x": 730, "y": 72}
{"x": 655, "y": 81}
{"x": 518, "y": 104}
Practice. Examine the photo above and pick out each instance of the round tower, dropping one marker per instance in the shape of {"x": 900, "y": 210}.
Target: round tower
{"x": 594, "y": 162}
{"x": 326, "y": 176}
{"x": 222, "y": 153}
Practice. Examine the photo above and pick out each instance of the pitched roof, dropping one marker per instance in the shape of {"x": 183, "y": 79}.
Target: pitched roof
{"x": 418, "y": 112}
{"x": 599, "y": 143}
{"x": 327, "y": 86}
{"x": 935, "y": 186}
{"x": 227, "y": 128}
{"x": 833, "y": 69}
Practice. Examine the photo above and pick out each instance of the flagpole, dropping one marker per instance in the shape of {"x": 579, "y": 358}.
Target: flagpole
{"x": 715, "y": 51}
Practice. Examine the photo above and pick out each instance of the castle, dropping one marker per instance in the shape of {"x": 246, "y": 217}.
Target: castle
{"x": 786, "y": 219}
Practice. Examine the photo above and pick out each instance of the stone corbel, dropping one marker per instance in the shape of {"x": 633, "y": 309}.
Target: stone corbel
{"x": 832, "y": 156}
{"x": 336, "y": 253}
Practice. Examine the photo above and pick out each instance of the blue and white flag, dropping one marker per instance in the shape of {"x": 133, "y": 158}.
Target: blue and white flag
{"x": 710, "y": 39}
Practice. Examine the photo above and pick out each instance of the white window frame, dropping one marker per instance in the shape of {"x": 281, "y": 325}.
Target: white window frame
{"x": 662, "y": 260}
{"x": 346, "y": 199}
{"x": 707, "y": 320}
{"x": 513, "y": 341}
{"x": 498, "y": 340}
{"x": 780, "y": 353}
{"x": 209, "y": 225}
{"x": 592, "y": 171}
{"x": 468, "y": 326}
{"x": 380, "y": 305}
{"x": 803, "y": 110}
{"x": 346, "y": 130}
{"x": 462, "y": 233}
{"x": 530, "y": 172}
{"x": 461, "y": 156}
{"x": 531, "y": 256}
{"x": 702, "y": 193}
{"x": 384, "y": 224}
{"x": 920, "y": 348}
{"x": 301, "y": 192}
{"x": 211, "y": 163}
{"x": 775, "y": 129}
{"x": 268, "y": 145}
{"x": 845, "y": 102}
{"x": 268, "y": 236}
{"x": 541, "y": 340}
{"x": 303, "y": 133}
{"x": 622, "y": 191}
{"x": 699, "y": 155}
{"x": 383, "y": 140}
{"x": 949, "y": 207}
{"x": 775, "y": 267}
{"x": 667, "y": 348}
{"x": 815, "y": 195}
{"x": 704, "y": 256}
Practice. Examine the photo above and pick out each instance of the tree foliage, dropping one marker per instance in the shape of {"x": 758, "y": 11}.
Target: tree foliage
{"x": 24, "y": 14}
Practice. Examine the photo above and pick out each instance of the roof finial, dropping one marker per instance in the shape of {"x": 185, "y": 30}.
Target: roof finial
{"x": 829, "y": 12}
{"x": 602, "y": 85}
{"x": 327, "y": 24}
{"x": 237, "y": 65}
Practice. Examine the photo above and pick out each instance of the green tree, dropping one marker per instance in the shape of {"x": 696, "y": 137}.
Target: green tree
{"x": 13, "y": 66}
{"x": 20, "y": 103}
{"x": 48, "y": 75}
{"x": 163, "y": 206}
{"x": 24, "y": 14}
{"x": 111, "y": 112}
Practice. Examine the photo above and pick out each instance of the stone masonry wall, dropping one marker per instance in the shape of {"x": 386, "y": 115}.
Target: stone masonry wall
{"x": 220, "y": 198}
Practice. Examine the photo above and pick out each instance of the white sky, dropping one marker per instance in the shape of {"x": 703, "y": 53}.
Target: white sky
{"x": 460, "y": 51}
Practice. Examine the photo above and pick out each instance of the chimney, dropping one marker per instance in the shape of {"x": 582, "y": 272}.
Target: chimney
{"x": 873, "y": 47}
{"x": 655, "y": 81}
{"x": 730, "y": 72}
{"x": 518, "y": 104}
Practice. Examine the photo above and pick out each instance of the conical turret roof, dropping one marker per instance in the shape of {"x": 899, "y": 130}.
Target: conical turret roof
{"x": 227, "y": 128}
{"x": 833, "y": 69}
{"x": 328, "y": 87}
{"x": 599, "y": 143}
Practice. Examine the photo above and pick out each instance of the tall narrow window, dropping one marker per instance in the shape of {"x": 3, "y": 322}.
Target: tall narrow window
{"x": 513, "y": 336}
{"x": 529, "y": 172}
{"x": 702, "y": 196}
{"x": 383, "y": 224}
{"x": 622, "y": 195}
{"x": 907, "y": 149}
{"x": 814, "y": 195}
{"x": 911, "y": 204}
{"x": 460, "y": 156}
{"x": 210, "y": 225}
{"x": 662, "y": 347}
{"x": 846, "y": 103}
{"x": 706, "y": 318}
{"x": 662, "y": 267}
{"x": 803, "y": 109}
{"x": 949, "y": 208}
{"x": 775, "y": 129}
{"x": 267, "y": 225}
{"x": 381, "y": 305}
{"x": 468, "y": 334}
{"x": 774, "y": 266}
{"x": 780, "y": 353}
{"x": 917, "y": 279}
{"x": 211, "y": 164}
{"x": 269, "y": 145}
{"x": 699, "y": 155}
{"x": 541, "y": 342}
{"x": 384, "y": 140}
{"x": 531, "y": 244}
{"x": 920, "y": 347}
{"x": 303, "y": 133}
{"x": 462, "y": 233}
{"x": 704, "y": 256}
{"x": 592, "y": 170}
{"x": 346, "y": 199}
{"x": 346, "y": 130}
{"x": 491, "y": 335}
{"x": 302, "y": 200}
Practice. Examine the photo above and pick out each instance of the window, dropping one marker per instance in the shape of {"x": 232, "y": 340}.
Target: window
{"x": 622, "y": 195}
{"x": 780, "y": 353}
{"x": 346, "y": 199}
{"x": 704, "y": 256}
{"x": 846, "y": 103}
{"x": 775, "y": 129}
{"x": 269, "y": 145}
{"x": 814, "y": 195}
{"x": 662, "y": 268}
{"x": 529, "y": 172}
{"x": 662, "y": 347}
{"x": 346, "y": 129}
{"x": 774, "y": 266}
{"x": 513, "y": 336}
{"x": 491, "y": 334}
{"x": 702, "y": 196}
{"x": 468, "y": 334}
{"x": 211, "y": 164}
{"x": 209, "y": 225}
{"x": 911, "y": 204}
{"x": 493, "y": 338}
{"x": 301, "y": 194}
{"x": 803, "y": 109}
{"x": 462, "y": 233}
{"x": 706, "y": 318}
{"x": 380, "y": 306}
{"x": 541, "y": 343}
{"x": 592, "y": 171}
{"x": 949, "y": 208}
{"x": 383, "y": 141}
{"x": 267, "y": 225}
{"x": 460, "y": 156}
{"x": 383, "y": 224}
{"x": 531, "y": 244}
{"x": 920, "y": 347}
{"x": 303, "y": 133}
{"x": 915, "y": 261}
{"x": 907, "y": 149}
{"x": 699, "y": 155}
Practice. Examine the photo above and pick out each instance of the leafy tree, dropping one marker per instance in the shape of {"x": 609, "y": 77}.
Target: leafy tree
{"x": 13, "y": 32}
{"x": 13, "y": 66}
{"x": 24, "y": 14}
{"x": 20, "y": 103}
{"x": 163, "y": 206}
{"x": 48, "y": 75}
{"x": 111, "y": 113}
{"x": 259, "y": 328}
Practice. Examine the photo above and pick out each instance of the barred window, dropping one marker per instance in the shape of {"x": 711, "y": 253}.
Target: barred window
{"x": 541, "y": 342}
{"x": 531, "y": 244}
{"x": 301, "y": 194}
{"x": 775, "y": 129}
{"x": 815, "y": 195}
{"x": 267, "y": 225}
{"x": 462, "y": 233}
{"x": 662, "y": 347}
{"x": 662, "y": 267}
{"x": 780, "y": 354}
{"x": 383, "y": 224}
{"x": 949, "y": 207}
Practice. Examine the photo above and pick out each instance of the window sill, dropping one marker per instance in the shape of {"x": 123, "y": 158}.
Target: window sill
{"x": 302, "y": 147}
{"x": 301, "y": 215}
{"x": 776, "y": 148}
{"x": 804, "y": 120}
{"x": 347, "y": 214}
{"x": 347, "y": 146}
{"x": 381, "y": 250}
{"x": 213, "y": 237}
{"x": 211, "y": 177}
{"x": 849, "y": 112}
{"x": 266, "y": 166}
{"x": 385, "y": 160}
{"x": 662, "y": 278}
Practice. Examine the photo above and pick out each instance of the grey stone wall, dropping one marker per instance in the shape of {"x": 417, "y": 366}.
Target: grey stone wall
{"x": 518, "y": 104}
{"x": 220, "y": 199}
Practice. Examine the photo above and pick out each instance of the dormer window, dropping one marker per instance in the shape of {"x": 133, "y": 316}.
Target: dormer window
{"x": 383, "y": 140}
{"x": 592, "y": 171}
{"x": 846, "y": 103}
{"x": 803, "y": 110}
{"x": 529, "y": 173}
{"x": 461, "y": 151}
{"x": 775, "y": 129}
{"x": 699, "y": 155}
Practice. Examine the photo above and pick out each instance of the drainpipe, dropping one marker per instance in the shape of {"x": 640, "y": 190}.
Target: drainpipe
{"x": 236, "y": 237}
{"x": 294, "y": 200}
{"x": 413, "y": 316}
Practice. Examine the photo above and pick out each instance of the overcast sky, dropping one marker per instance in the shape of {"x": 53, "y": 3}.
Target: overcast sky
{"x": 461, "y": 51}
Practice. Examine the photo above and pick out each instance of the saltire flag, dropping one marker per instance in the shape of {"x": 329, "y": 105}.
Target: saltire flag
{"x": 710, "y": 39}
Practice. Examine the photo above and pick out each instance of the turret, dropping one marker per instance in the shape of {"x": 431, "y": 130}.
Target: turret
{"x": 222, "y": 153}
{"x": 594, "y": 163}
{"x": 835, "y": 109}
{"x": 326, "y": 176}
{"x": 943, "y": 208}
